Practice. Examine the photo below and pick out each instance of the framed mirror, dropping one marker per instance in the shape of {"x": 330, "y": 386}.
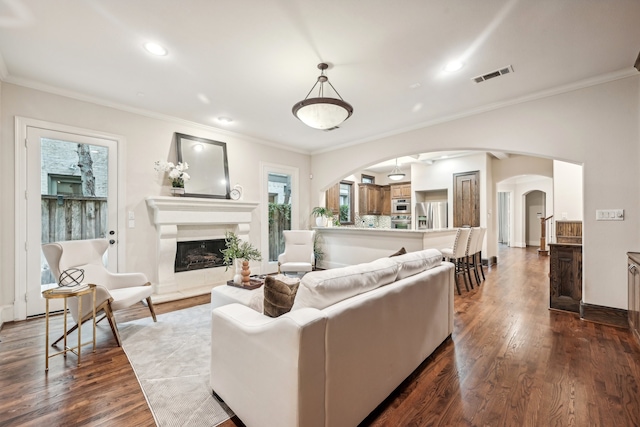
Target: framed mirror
{"x": 208, "y": 166}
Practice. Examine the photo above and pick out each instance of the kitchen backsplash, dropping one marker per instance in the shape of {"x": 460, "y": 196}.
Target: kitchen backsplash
{"x": 373, "y": 221}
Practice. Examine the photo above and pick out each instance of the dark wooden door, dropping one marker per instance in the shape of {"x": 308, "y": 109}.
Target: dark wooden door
{"x": 466, "y": 199}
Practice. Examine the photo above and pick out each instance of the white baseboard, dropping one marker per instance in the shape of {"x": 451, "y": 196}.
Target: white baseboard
{"x": 6, "y": 314}
{"x": 518, "y": 245}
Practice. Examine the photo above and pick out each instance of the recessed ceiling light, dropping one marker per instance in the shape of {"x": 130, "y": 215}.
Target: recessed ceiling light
{"x": 155, "y": 49}
{"x": 224, "y": 120}
{"x": 453, "y": 66}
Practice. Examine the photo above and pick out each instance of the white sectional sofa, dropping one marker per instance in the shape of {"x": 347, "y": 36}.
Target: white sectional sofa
{"x": 352, "y": 336}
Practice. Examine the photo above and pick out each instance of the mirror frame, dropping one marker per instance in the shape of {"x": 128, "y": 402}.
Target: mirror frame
{"x": 193, "y": 171}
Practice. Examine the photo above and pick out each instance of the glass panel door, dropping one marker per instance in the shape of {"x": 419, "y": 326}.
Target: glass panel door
{"x": 72, "y": 195}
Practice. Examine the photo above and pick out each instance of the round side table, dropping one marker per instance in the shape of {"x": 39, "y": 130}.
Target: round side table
{"x": 56, "y": 293}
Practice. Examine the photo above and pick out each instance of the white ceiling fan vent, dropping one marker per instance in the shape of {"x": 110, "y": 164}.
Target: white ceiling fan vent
{"x": 493, "y": 74}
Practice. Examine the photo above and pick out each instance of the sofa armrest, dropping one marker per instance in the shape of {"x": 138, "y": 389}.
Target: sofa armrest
{"x": 269, "y": 371}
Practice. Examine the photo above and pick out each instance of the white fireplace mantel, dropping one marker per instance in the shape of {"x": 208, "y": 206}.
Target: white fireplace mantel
{"x": 191, "y": 210}
{"x": 172, "y": 213}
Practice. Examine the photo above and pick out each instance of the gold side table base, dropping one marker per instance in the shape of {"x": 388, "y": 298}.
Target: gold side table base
{"x": 77, "y": 350}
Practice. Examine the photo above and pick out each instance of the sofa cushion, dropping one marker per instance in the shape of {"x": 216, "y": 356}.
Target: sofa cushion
{"x": 320, "y": 289}
{"x": 415, "y": 262}
{"x": 279, "y": 294}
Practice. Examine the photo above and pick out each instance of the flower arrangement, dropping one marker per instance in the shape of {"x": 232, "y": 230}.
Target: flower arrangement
{"x": 177, "y": 173}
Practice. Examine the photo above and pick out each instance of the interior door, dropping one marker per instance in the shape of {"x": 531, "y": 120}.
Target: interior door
{"x": 71, "y": 195}
{"x": 466, "y": 199}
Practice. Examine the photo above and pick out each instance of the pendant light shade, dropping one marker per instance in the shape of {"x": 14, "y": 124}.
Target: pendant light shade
{"x": 322, "y": 112}
{"x": 396, "y": 174}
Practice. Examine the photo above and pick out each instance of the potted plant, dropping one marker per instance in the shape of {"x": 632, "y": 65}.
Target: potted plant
{"x": 176, "y": 174}
{"x": 237, "y": 249}
{"x": 321, "y": 213}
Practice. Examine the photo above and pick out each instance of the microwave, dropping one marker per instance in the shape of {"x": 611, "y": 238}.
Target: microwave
{"x": 401, "y": 206}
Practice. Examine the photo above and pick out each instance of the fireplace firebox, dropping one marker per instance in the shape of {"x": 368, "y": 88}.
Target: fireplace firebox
{"x": 195, "y": 255}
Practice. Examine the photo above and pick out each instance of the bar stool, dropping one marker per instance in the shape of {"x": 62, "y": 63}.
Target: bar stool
{"x": 470, "y": 254}
{"x": 457, "y": 255}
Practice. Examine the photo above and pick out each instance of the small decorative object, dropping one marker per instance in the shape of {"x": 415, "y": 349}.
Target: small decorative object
{"x": 236, "y": 192}
{"x": 176, "y": 173}
{"x": 321, "y": 214}
{"x": 71, "y": 277}
{"x": 237, "y": 249}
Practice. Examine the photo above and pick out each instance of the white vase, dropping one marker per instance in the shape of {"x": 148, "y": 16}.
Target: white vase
{"x": 320, "y": 221}
{"x": 177, "y": 191}
{"x": 237, "y": 278}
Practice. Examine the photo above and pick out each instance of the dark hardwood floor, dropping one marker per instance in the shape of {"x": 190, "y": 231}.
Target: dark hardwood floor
{"x": 510, "y": 362}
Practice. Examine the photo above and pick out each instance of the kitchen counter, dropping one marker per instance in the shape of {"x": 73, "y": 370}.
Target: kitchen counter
{"x": 344, "y": 246}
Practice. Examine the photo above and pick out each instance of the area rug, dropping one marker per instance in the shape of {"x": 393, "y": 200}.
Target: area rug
{"x": 171, "y": 360}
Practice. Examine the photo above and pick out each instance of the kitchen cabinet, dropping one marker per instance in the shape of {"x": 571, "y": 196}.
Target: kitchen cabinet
{"x": 401, "y": 191}
{"x": 333, "y": 199}
{"x": 633, "y": 312}
{"x": 370, "y": 199}
{"x": 565, "y": 276}
{"x": 386, "y": 199}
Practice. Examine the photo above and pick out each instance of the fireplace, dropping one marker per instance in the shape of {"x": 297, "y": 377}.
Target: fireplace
{"x": 189, "y": 219}
{"x": 199, "y": 254}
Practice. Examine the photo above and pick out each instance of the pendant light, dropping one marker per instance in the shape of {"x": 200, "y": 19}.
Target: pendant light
{"x": 396, "y": 174}
{"x": 322, "y": 112}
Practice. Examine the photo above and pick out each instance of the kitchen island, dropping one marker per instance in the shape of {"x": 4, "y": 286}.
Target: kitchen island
{"x": 342, "y": 246}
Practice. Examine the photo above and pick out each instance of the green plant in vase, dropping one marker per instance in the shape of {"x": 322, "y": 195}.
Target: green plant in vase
{"x": 321, "y": 213}
{"x": 238, "y": 249}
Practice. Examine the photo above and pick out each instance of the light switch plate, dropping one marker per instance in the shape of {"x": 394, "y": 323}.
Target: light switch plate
{"x": 610, "y": 215}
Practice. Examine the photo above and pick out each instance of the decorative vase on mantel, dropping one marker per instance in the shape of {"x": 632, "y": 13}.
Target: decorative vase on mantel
{"x": 237, "y": 278}
{"x": 177, "y": 187}
{"x": 246, "y": 280}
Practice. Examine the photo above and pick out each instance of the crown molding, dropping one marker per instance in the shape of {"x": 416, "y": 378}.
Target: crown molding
{"x": 30, "y": 84}
{"x": 582, "y": 84}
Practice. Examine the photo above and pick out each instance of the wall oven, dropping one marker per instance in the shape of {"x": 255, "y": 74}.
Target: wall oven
{"x": 401, "y": 206}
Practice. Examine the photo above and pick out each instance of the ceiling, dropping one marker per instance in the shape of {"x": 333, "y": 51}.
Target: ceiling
{"x": 251, "y": 60}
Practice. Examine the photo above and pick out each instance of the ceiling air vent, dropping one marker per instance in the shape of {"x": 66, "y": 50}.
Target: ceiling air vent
{"x": 497, "y": 73}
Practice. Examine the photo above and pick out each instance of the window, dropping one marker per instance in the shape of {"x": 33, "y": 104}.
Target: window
{"x": 279, "y": 187}
{"x": 68, "y": 185}
{"x": 368, "y": 179}
{"x": 346, "y": 202}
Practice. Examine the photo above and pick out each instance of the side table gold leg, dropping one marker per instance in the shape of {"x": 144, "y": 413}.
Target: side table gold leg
{"x": 46, "y": 344}
{"x": 64, "y": 334}
{"x": 94, "y": 319}
{"x": 79, "y": 330}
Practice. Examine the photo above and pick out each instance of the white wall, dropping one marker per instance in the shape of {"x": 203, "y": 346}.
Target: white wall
{"x": 147, "y": 139}
{"x": 519, "y": 188}
{"x": 567, "y": 191}
{"x": 596, "y": 126}
{"x": 439, "y": 175}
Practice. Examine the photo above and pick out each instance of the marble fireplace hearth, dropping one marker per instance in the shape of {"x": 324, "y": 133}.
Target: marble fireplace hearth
{"x": 187, "y": 219}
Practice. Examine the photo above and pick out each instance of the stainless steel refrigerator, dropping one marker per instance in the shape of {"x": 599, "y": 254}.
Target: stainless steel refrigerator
{"x": 431, "y": 215}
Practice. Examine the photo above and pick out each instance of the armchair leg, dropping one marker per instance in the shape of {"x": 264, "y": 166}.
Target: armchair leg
{"x": 150, "y": 304}
{"x": 151, "y": 309}
{"x": 112, "y": 323}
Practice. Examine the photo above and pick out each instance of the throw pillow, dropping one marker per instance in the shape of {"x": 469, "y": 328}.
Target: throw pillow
{"x": 402, "y": 251}
{"x": 279, "y": 294}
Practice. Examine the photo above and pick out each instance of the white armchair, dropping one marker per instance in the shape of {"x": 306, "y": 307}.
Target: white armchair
{"x": 113, "y": 291}
{"x": 298, "y": 251}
